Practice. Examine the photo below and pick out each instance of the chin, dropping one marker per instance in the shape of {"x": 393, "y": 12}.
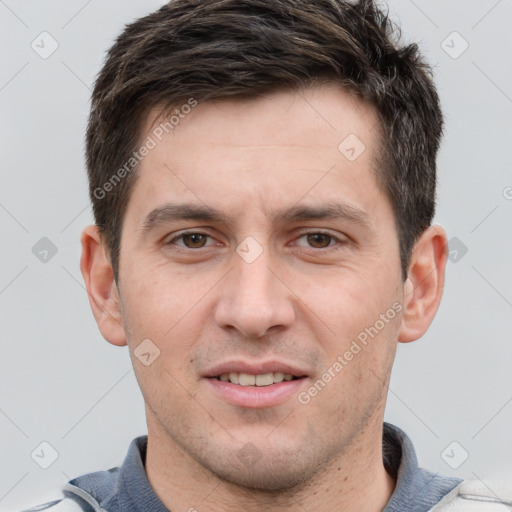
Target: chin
{"x": 270, "y": 471}
{"x": 264, "y": 479}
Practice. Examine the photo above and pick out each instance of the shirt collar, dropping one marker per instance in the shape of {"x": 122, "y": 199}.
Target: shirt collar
{"x": 417, "y": 490}
{"x": 128, "y": 489}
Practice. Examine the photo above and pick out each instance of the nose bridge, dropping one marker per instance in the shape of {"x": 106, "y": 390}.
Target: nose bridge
{"x": 254, "y": 300}
{"x": 254, "y": 281}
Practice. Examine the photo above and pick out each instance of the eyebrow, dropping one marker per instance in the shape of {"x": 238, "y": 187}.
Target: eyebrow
{"x": 327, "y": 211}
{"x": 168, "y": 213}
{"x": 173, "y": 212}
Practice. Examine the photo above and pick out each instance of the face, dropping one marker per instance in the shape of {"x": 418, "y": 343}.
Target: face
{"x": 257, "y": 248}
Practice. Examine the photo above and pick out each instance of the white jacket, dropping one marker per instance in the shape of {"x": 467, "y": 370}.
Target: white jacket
{"x": 469, "y": 496}
{"x": 493, "y": 495}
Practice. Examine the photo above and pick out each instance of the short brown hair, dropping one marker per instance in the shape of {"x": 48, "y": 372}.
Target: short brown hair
{"x": 221, "y": 49}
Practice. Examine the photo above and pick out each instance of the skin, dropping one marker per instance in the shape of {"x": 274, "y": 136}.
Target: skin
{"x": 303, "y": 300}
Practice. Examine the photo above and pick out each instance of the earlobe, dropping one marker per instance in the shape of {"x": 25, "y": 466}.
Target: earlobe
{"x": 101, "y": 286}
{"x": 423, "y": 288}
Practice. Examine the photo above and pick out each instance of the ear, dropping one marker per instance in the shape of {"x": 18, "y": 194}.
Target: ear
{"x": 423, "y": 288}
{"x": 101, "y": 286}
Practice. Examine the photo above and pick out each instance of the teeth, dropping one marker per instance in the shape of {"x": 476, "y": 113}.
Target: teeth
{"x": 264, "y": 379}
{"x": 278, "y": 377}
{"x": 245, "y": 379}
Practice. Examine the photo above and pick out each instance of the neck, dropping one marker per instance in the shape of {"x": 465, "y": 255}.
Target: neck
{"x": 355, "y": 480}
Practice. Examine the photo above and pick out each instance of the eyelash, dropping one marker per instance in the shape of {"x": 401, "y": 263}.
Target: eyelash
{"x": 336, "y": 240}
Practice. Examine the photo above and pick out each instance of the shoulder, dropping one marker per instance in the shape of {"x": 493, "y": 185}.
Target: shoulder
{"x": 76, "y": 499}
{"x": 98, "y": 491}
{"x": 60, "y": 505}
{"x": 492, "y": 495}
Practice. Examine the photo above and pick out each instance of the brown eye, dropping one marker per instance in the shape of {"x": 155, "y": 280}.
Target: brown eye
{"x": 319, "y": 240}
{"x": 194, "y": 240}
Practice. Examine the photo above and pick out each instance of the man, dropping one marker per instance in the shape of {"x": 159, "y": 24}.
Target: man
{"x": 262, "y": 174}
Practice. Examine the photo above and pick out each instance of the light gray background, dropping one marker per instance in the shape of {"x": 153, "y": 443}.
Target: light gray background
{"x": 63, "y": 384}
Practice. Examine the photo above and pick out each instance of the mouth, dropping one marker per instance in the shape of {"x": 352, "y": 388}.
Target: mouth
{"x": 256, "y": 384}
{"x": 259, "y": 380}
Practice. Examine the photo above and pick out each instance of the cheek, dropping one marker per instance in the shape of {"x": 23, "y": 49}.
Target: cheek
{"x": 168, "y": 331}
{"x": 364, "y": 317}
{"x": 349, "y": 303}
{"x": 172, "y": 314}
{"x": 355, "y": 379}
{"x": 156, "y": 302}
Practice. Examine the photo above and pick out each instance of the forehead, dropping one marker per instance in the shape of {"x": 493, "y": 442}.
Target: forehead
{"x": 316, "y": 142}
{"x": 321, "y": 115}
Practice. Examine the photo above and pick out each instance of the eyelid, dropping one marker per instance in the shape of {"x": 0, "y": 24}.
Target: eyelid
{"x": 181, "y": 234}
{"x": 335, "y": 238}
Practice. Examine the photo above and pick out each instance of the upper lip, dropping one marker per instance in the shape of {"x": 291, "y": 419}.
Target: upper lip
{"x": 255, "y": 368}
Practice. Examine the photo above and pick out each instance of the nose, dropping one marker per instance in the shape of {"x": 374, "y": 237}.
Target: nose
{"x": 254, "y": 299}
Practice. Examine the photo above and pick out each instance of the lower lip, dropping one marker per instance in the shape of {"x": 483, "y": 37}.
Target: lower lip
{"x": 257, "y": 397}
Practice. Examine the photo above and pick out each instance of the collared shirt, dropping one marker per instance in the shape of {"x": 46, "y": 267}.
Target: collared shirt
{"x": 127, "y": 488}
